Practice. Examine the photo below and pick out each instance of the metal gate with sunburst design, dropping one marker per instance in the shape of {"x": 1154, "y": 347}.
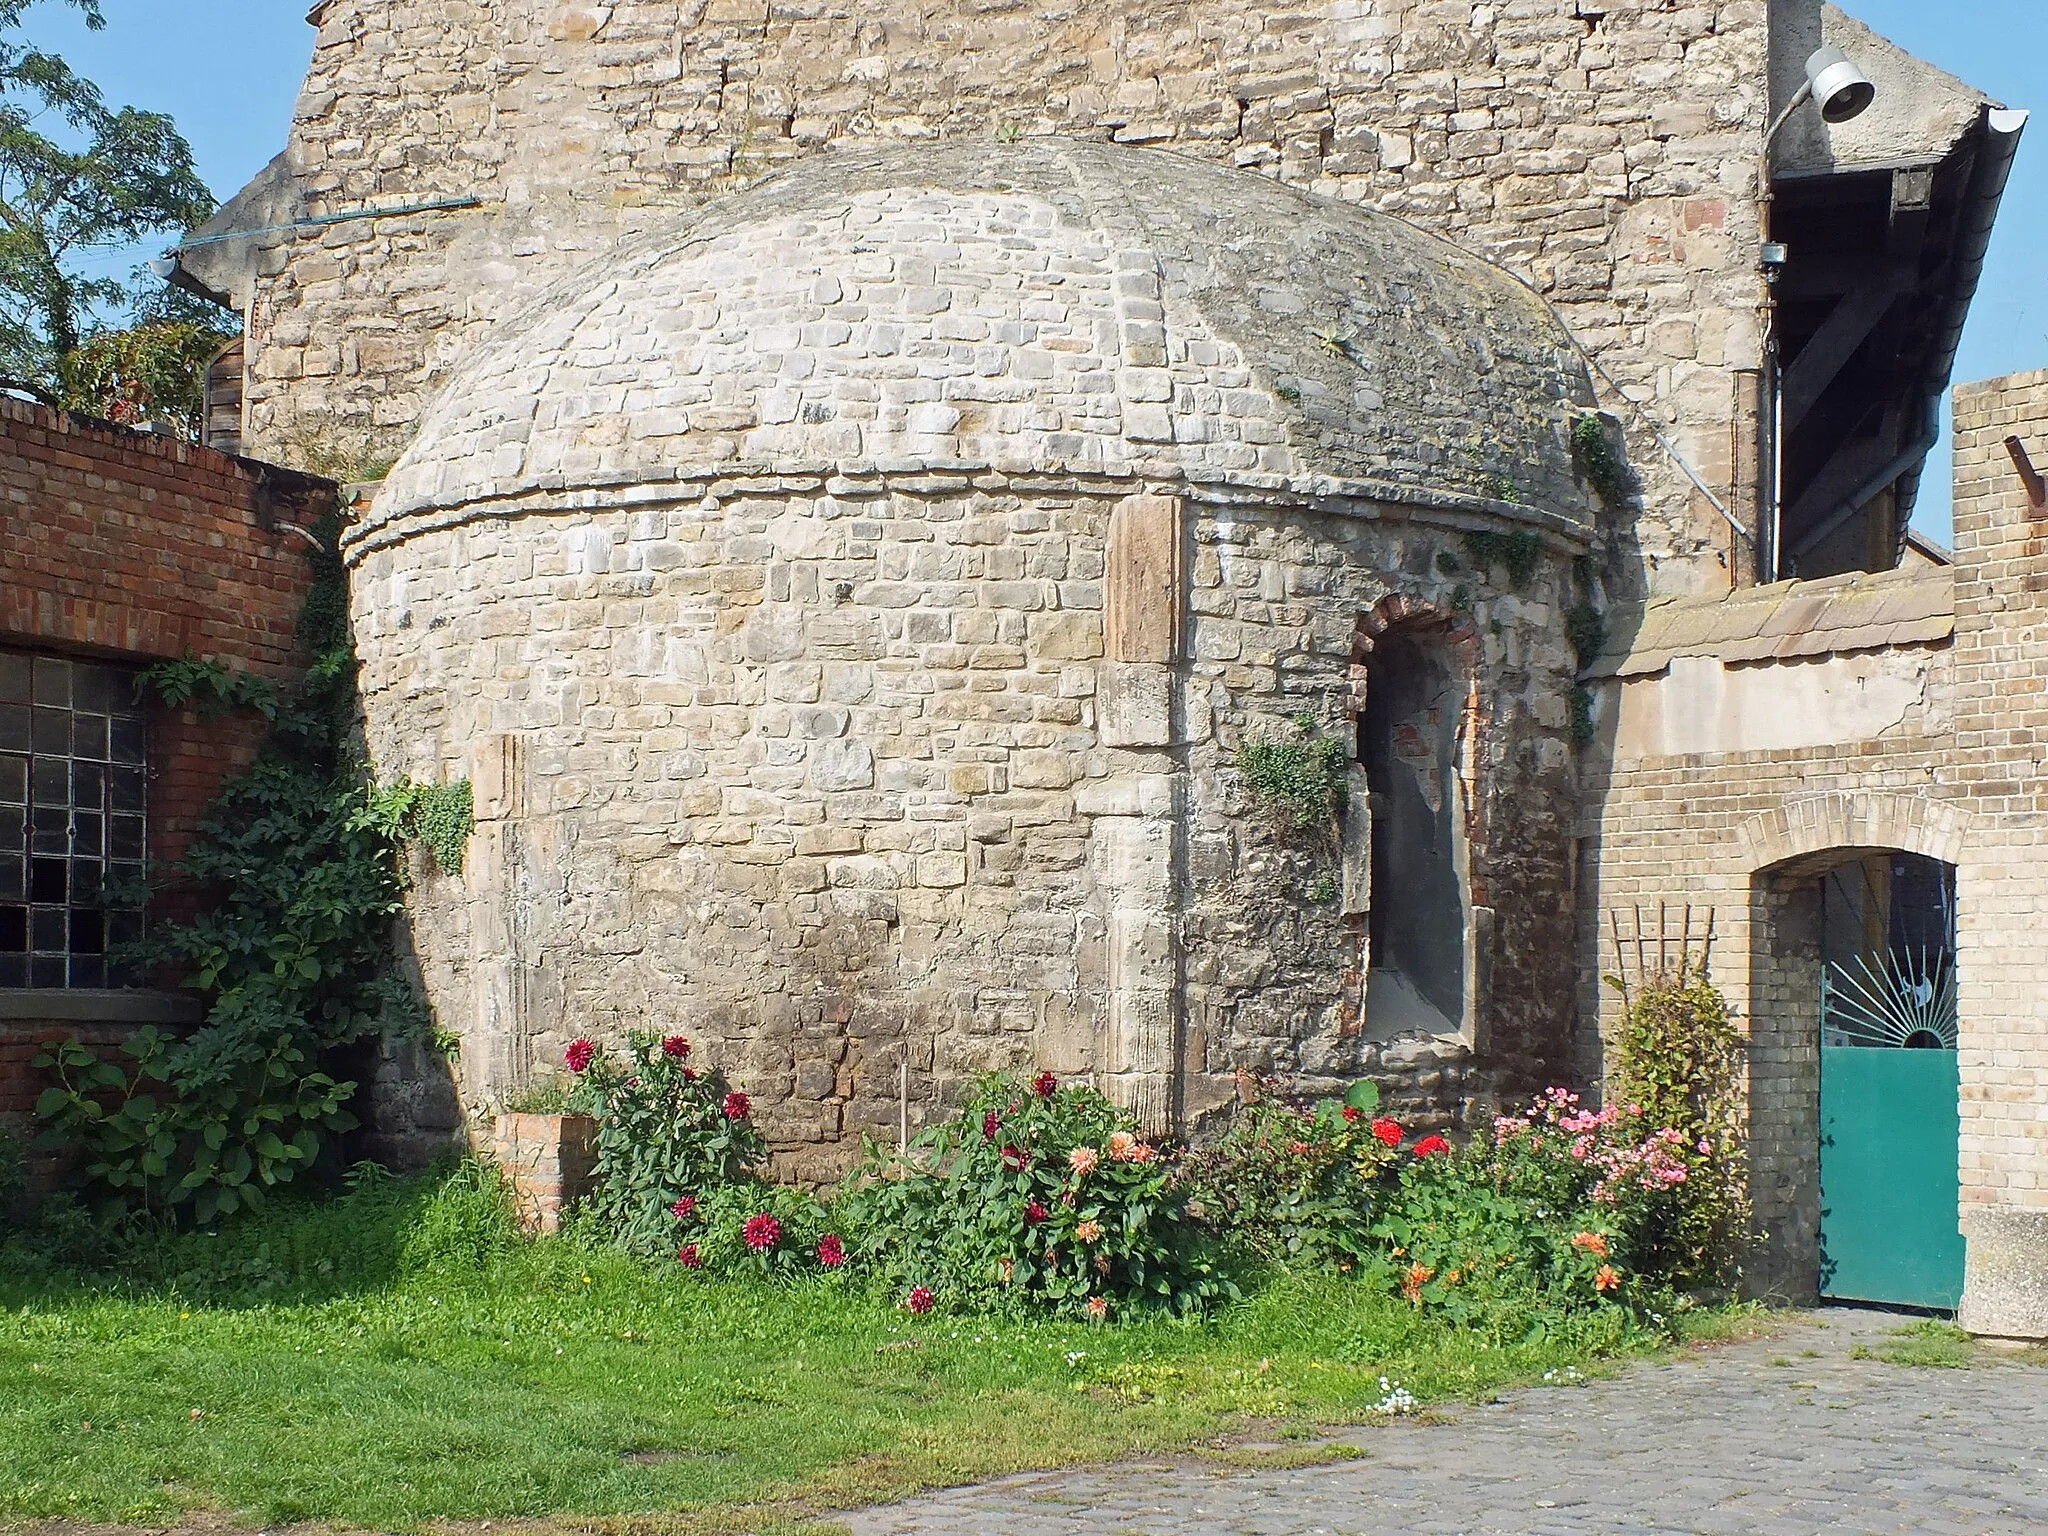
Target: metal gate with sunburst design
{"x": 1888, "y": 1083}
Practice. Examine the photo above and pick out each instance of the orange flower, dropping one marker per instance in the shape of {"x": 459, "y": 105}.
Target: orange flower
{"x": 1121, "y": 1145}
{"x": 1417, "y": 1277}
{"x": 1082, "y": 1159}
{"x": 1607, "y": 1280}
{"x": 1591, "y": 1242}
{"x": 1098, "y": 1307}
{"x": 1089, "y": 1231}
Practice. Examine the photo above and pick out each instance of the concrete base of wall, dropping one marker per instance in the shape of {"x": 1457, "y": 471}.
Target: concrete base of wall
{"x": 2005, "y": 1274}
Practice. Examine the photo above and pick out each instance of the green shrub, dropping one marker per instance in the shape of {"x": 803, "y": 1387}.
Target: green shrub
{"x": 1037, "y": 1196}
{"x": 1562, "y": 1208}
{"x": 666, "y": 1132}
{"x": 1678, "y": 1056}
{"x": 464, "y": 1225}
{"x": 1292, "y": 1185}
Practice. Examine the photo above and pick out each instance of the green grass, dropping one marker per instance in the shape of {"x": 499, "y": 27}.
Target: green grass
{"x": 390, "y": 1359}
{"x": 1929, "y": 1342}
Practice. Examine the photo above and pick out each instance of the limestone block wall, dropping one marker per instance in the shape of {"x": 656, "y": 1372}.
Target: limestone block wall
{"x": 1608, "y": 153}
{"x": 938, "y": 769}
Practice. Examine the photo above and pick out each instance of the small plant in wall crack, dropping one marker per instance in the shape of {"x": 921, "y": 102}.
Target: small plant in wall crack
{"x": 1602, "y": 468}
{"x": 1298, "y": 778}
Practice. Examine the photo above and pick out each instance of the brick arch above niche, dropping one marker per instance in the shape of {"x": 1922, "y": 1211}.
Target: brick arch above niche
{"x": 1809, "y": 827}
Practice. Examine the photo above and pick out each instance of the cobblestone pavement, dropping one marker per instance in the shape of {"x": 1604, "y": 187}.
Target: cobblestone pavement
{"x": 1760, "y": 1438}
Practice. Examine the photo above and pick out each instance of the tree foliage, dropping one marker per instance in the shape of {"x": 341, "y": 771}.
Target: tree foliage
{"x": 78, "y": 176}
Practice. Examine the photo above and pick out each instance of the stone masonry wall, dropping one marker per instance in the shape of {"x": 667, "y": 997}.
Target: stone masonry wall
{"x": 832, "y": 781}
{"x": 1747, "y": 833}
{"x": 1607, "y": 153}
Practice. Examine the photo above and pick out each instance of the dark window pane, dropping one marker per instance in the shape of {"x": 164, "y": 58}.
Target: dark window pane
{"x": 13, "y": 828}
{"x": 47, "y": 927}
{"x": 85, "y": 882}
{"x": 122, "y": 876}
{"x": 127, "y": 739}
{"x": 85, "y": 833}
{"x": 89, "y": 736}
{"x": 88, "y": 786}
{"x": 13, "y": 970}
{"x": 101, "y": 689}
{"x": 47, "y": 879}
{"x": 13, "y": 781}
{"x": 50, "y": 781}
{"x": 88, "y": 932}
{"x": 13, "y": 930}
{"x": 123, "y": 928}
{"x": 13, "y": 870}
{"x": 53, "y": 681}
{"x": 50, "y": 830}
{"x": 125, "y": 789}
{"x": 50, "y": 731}
{"x": 124, "y": 837}
{"x": 46, "y": 971}
{"x": 13, "y": 677}
{"x": 88, "y": 970}
{"x": 14, "y": 727}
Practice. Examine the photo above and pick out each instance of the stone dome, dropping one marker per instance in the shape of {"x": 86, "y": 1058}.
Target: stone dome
{"x": 1048, "y": 306}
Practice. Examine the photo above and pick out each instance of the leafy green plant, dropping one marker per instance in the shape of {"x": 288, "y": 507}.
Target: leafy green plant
{"x": 1584, "y": 729}
{"x": 217, "y": 1137}
{"x": 751, "y": 1227}
{"x": 1036, "y": 1197}
{"x": 1298, "y": 780}
{"x": 298, "y": 868}
{"x": 1602, "y": 467}
{"x": 1516, "y": 553}
{"x": 440, "y": 817}
{"x": 549, "y": 1096}
{"x": 666, "y": 1133}
{"x": 1678, "y": 1057}
{"x": 1288, "y": 1184}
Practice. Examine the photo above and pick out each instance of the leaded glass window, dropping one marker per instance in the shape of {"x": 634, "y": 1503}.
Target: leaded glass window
{"x": 73, "y": 819}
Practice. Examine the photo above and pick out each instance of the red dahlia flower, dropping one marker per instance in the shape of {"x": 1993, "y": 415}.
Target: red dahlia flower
{"x": 689, "y": 1258}
{"x": 1353, "y": 1114}
{"x": 1036, "y": 1212}
{"x": 762, "y": 1232}
{"x": 684, "y": 1208}
{"x": 675, "y": 1047}
{"x": 738, "y": 1106}
{"x": 831, "y": 1251}
{"x": 579, "y": 1055}
{"x": 1017, "y": 1158}
{"x": 990, "y": 1122}
{"x": 1299, "y": 1149}
{"x": 1045, "y": 1085}
{"x": 920, "y": 1301}
{"x": 1430, "y": 1146}
{"x": 1388, "y": 1131}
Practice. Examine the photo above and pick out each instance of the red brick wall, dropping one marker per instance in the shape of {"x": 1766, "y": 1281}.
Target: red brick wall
{"x": 127, "y": 547}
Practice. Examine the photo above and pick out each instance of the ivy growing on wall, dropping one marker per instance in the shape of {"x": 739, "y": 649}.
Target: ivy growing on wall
{"x": 300, "y": 870}
{"x": 1603, "y": 468}
{"x": 1516, "y": 553}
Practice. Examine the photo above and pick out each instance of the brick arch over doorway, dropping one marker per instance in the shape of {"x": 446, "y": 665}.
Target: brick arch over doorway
{"x": 1806, "y": 827}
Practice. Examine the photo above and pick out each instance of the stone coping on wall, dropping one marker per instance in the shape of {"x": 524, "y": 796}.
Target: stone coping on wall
{"x": 1783, "y": 621}
{"x": 1368, "y": 499}
{"x": 44, "y": 1007}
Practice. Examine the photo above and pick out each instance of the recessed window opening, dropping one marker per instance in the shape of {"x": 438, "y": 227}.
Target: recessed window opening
{"x": 1408, "y": 742}
{"x": 73, "y": 820}
{"x": 1888, "y": 926}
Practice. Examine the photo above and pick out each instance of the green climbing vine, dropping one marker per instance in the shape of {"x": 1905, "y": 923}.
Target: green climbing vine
{"x": 1516, "y": 553}
{"x": 297, "y": 872}
{"x": 1586, "y": 627}
{"x": 1603, "y": 468}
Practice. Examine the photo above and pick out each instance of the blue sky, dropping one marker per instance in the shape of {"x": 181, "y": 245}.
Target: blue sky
{"x": 229, "y": 70}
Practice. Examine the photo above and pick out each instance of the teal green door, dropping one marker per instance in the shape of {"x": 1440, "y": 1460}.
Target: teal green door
{"x": 1889, "y": 1186}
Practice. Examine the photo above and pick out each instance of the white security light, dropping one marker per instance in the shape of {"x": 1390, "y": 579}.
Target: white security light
{"x": 1841, "y": 89}
{"x": 1839, "y": 86}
